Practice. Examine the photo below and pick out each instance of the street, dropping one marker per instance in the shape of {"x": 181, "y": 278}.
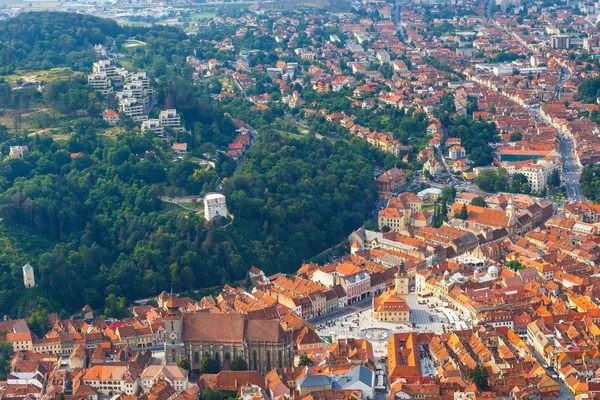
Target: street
{"x": 571, "y": 169}
{"x": 342, "y": 312}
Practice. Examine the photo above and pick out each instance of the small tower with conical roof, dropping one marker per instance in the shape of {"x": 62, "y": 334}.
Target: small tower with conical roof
{"x": 401, "y": 283}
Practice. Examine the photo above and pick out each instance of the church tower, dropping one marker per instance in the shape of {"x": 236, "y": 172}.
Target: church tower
{"x": 401, "y": 283}
{"x": 510, "y": 208}
{"x": 173, "y": 332}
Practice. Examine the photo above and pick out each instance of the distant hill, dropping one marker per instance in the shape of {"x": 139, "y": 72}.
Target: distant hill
{"x": 43, "y": 40}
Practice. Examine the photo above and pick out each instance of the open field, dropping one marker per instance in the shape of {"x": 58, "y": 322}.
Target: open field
{"x": 203, "y": 15}
{"x": 41, "y": 75}
{"x": 170, "y": 207}
{"x": 134, "y": 43}
{"x": 126, "y": 22}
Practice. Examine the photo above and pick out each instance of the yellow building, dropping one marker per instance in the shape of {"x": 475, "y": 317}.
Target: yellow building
{"x": 392, "y": 305}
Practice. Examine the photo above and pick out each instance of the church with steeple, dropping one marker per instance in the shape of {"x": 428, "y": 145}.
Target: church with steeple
{"x": 392, "y": 305}
{"x": 262, "y": 343}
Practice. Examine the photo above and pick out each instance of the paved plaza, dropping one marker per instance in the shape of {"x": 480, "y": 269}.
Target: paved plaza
{"x": 357, "y": 322}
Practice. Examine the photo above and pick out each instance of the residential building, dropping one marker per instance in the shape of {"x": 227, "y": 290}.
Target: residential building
{"x": 112, "y": 379}
{"x": 391, "y": 179}
{"x": 176, "y": 376}
{"x": 152, "y": 126}
{"x": 18, "y": 151}
{"x": 170, "y": 119}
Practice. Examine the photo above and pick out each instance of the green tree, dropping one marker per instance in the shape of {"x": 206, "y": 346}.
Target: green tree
{"x": 238, "y": 364}
{"x": 464, "y": 213}
{"x": 305, "y": 361}
{"x": 479, "y": 376}
{"x": 6, "y": 351}
{"x": 184, "y": 363}
{"x": 208, "y": 365}
{"x": 516, "y": 136}
{"x": 115, "y": 307}
{"x": 478, "y": 201}
{"x": 444, "y": 212}
{"x": 448, "y": 194}
{"x": 38, "y": 321}
{"x": 492, "y": 180}
{"x": 519, "y": 184}
{"x": 371, "y": 225}
{"x": 514, "y": 265}
{"x": 554, "y": 179}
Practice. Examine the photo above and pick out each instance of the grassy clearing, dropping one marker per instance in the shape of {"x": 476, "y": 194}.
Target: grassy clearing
{"x": 42, "y": 75}
{"x": 126, "y": 22}
{"x": 132, "y": 43}
{"x": 114, "y": 131}
{"x": 203, "y": 15}
{"x": 290, "y": 134}
{"x": 127, "y": 64}
{"x": 170, "y": 207}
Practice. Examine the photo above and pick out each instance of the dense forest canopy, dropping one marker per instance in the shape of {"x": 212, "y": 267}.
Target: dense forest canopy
{"x": 47, "y": 40}
{"x": 43, "y": 40}
{"x": 295, "y": 198}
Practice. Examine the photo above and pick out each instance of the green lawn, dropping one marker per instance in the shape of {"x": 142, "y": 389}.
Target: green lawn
{"x": 170, "y": 207}
{"x": 127, "y": 64}
{"x": 114, "y": 131}
{"x": 202, "y": 15}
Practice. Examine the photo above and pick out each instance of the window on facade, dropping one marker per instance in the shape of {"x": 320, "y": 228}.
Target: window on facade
{"x": 268, "y": 360}
{"x": 279, "y": 359}
{"x": 196, "y": 358}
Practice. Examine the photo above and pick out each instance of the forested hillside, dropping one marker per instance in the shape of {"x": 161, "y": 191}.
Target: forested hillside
{"x": 84, "y": 208}
{"x": 47, "y": 40}
{"x": 295, "y": 198}
{"x": 43, "y": 40}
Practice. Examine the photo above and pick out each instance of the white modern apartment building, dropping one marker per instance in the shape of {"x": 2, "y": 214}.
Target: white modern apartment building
{"x": 153, "y": 126}
{"x": 170, "y": 119}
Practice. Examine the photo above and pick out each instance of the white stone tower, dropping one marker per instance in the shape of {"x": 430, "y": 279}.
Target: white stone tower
{"x": 214, "y": 206}
{"x": 28, "y": 276}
